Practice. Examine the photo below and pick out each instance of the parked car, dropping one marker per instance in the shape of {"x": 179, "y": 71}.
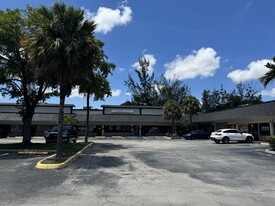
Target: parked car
{"x": 227, "y": 135}
{"x": 3, "y": 133}
{"x": 69, "y": 135}
{"x": 197, "y": 134}
{"x": 154, "y": 130}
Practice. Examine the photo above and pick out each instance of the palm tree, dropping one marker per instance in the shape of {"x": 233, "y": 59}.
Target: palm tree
{"x": 172, "y": 111}
{"x": 270, "y": 75}
{"x": 98, "y": 86}
{"x": 191, "y": 106}
{"x": 63, "y": 49}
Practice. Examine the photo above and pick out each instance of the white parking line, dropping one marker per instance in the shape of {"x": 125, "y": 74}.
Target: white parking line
{"x": 5, "y": 154}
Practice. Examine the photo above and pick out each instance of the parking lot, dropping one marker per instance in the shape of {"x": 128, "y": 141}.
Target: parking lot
{"x": 145, "y": 172}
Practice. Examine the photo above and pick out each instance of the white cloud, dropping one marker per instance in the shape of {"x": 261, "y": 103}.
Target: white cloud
{"x": 75, "y": 93}
{"x": 270, "y": 93}
{"x": 201, "y": 63}
{"x": 128, "y": 93}
{"x": 106, "y": 18}
{"x": 116, "y": 93}
{"x": 255, "y": 70}
{"x": 151, "y": 59}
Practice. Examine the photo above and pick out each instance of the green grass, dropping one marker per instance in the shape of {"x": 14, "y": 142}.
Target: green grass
{"x": 68, "y": 151}
{"x": 54, "y": 161}
{"x": 71, "y": 149}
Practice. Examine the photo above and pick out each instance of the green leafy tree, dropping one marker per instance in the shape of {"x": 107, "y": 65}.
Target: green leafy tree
{"x": 70, "y": 120}
{"x": 221, "y": 99}
{"x": 206, "y": 101}
{"x": 148, "y": 91}
{"x": 143, "y": 92}
{"x": 18, "y": 79}
{"x": 171, "y": 89}
{"x": 270, "y": 75}
{"x": 63, "y": 49}
{"x": 191, "y": 106}
{"x": 172, "y": 111}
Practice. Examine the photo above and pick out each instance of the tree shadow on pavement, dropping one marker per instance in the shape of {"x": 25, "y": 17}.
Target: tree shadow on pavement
{"x": 97, "y": 157}
{"x": 13, "y": 155}
{"x": 106, "y": 147}
{"x": 97, "y": 162}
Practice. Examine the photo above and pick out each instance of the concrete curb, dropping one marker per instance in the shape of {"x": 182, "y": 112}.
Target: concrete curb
{"x": 100, "y": 137}
{"x": 117, "y": 137}
{"x": 264, "y": 143}
{"x": 33, "y": 152}
{"x": 39, "y": 165}
{"x": 269, "y": 151}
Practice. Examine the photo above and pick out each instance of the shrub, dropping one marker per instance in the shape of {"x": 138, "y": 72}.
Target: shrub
{"x": 271, "y": 140}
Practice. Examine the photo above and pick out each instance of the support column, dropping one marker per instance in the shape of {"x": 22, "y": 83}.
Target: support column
{"x": 102, "y": 130}
{"x": 271, "y": 127}
{"x": 237, "y": 126}
{"x": 258, "y": 125}
{"x": 139, "y": 130}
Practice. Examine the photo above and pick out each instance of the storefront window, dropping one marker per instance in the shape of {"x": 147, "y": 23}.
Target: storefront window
{"x": 264, "y": 129}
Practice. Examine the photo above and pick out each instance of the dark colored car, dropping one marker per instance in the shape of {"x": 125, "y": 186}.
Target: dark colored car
{"x": 69, "y": 135}
{"x": 197, "y": 134}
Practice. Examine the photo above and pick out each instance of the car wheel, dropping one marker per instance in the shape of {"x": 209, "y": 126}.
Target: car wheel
{"x": 249, "y": 139}
{"x": 217, "y": 141}
{"x": 225, "y": 140}
{"x": 74, "y": 141}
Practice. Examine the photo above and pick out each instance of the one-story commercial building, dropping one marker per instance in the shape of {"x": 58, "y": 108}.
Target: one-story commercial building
{"x": 257, "y": 119}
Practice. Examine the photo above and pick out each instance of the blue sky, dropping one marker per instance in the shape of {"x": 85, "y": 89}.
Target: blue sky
{"x": 203, "y": 43}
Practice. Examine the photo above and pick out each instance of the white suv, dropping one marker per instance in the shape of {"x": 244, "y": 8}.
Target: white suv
{"x": 226, "y": 135}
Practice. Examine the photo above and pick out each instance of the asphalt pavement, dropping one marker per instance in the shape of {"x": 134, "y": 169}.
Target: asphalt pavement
{"x": 145, "y": 172}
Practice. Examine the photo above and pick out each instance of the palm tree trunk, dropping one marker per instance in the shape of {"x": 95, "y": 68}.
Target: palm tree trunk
{"x": 59, "y": 149}
{"x": 173, "y": 126}
{"x": 87, "y": 117}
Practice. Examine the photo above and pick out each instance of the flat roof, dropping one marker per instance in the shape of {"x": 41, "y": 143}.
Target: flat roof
{"x": 132, "y": 106}
{"x": 40, "y": 105}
